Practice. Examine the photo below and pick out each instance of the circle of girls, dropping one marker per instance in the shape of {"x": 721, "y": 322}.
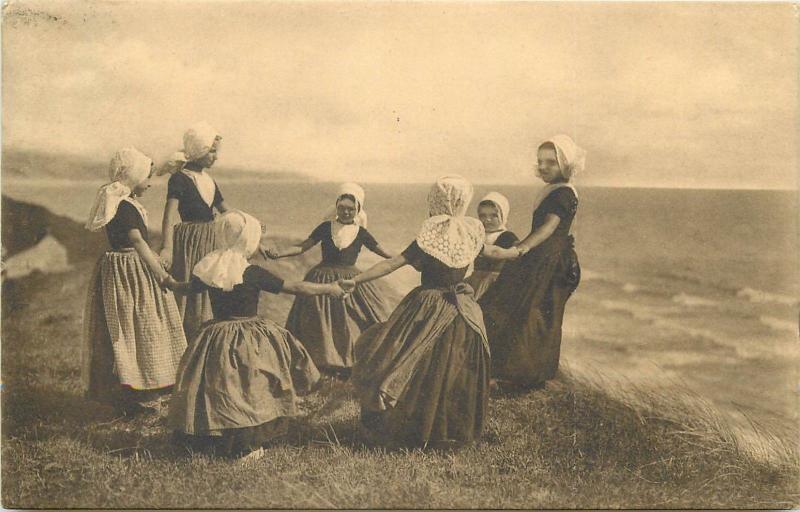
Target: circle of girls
{"x": 182, "y": 321}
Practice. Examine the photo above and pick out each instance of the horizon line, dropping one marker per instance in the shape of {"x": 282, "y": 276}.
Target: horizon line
{"x": 312, "y": 180}
{"x": 303, "y": 177}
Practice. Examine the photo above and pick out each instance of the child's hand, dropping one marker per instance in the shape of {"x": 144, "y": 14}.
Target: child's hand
{"x": 169, "y": 283}
{"x": 347, "y": 285}
{"x": 337, "y": 291}
{"x": 166, "y": 257}
{"x": 270, "y": 251}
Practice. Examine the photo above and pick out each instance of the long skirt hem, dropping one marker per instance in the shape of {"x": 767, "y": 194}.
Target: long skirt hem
{"x": 524, "y": 311}
{"x": 239, "y": 373}
{"x": 442, "y": 399}
{"x": 235, "y": 442}
{"x": 133, "y": 341}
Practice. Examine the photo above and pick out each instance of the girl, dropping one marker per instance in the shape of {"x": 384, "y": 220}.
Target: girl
{"x": 192, "y": 196}
{"x": 493, "y": 212}
{"x": 422, "y": 377}
{"x": 133, "y": 335}
{"x": 525, "y": 307}
{"x": 329, "y": 328}
{"x": 237, "y": 382}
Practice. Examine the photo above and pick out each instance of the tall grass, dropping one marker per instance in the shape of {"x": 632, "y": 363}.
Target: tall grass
{"x": 584, "y": 441}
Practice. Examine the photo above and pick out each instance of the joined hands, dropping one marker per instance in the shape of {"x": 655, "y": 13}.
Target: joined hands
{"x": 348, "y": 285}
{"x": 269, "y": 251}
{"x": 169, "y": 283}
{"x": 338, "y": 291}
{"x": 342, "y": 288}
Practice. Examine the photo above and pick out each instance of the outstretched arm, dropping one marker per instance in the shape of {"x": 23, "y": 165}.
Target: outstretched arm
{"x": 291, "y": 287}
{"x": 178, "y": 287}
{"x": 540, "y": 235}
{"x": 306, "y": 288}
{"x": 380, "y": 251}
{"x": 498, "y": 253}
{"x": 291, "y": 251}
{"x": 381, "y": 269}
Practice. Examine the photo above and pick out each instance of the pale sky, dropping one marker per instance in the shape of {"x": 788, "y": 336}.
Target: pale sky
{"x": 658, "y": 94}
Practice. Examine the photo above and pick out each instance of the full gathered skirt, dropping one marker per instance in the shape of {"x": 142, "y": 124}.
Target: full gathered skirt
{"x": 329, "y": 327}
{"x": 422, "y": 377}
{"x": 238, "y": 380}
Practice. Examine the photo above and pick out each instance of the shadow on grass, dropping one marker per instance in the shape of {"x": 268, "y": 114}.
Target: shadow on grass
{"x": 349, "y": 434}
{"x": 25, "y": 407}
{"x": 42, "y": 415}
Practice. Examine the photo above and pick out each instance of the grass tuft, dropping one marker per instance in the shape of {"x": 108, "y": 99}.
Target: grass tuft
{"x": 583, "y": 441}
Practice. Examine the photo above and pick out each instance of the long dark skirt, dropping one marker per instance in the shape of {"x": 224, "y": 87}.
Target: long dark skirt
{"x": 329, "y": 327}
{"x": 192, "y": 241}
{"x": 524, "y": 310}
{"x": 236, "y": 380}
{"x": 423, "y": 376}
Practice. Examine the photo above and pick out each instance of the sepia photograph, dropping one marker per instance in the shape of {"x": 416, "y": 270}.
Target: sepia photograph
{"x": 399, "y": 255}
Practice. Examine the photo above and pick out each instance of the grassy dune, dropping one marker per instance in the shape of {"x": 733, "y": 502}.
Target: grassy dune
{"x": 578, "y": 443}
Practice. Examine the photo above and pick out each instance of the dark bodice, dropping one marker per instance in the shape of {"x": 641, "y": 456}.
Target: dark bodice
{"x": 332, "y": 255}
{"x": 191, "y": 206}
{"x": 561, "y": 202}
{"x": 242, "y": 301}
{"x": 126, "y": 218}
{"x": 435, "y": 274}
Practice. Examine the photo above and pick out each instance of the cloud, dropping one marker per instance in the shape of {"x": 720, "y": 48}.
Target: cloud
{"x": 661, "y": 94}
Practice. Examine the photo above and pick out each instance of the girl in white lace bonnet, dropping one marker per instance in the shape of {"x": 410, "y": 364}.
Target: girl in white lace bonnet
{"x": 422, "y": 376}
{"x": 493, "y": 211}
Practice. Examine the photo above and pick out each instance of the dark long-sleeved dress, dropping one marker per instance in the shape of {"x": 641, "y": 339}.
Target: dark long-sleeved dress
{"x": 524, "y": 308}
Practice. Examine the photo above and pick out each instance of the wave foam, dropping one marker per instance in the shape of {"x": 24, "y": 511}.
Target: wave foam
{"x": 762, "y": 297}
{"x": 692, "y": 300}
{"x": 656, "y": 316}
{"x": 779, "y": 324}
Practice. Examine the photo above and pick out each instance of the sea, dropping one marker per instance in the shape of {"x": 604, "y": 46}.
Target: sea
{"x": 692, "y": 289}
